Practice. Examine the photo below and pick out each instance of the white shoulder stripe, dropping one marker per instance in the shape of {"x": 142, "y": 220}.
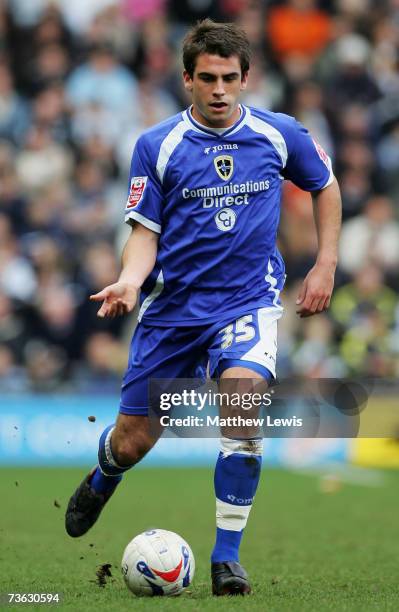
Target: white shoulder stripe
{"x": 136, "y": 216}
{"x": 168, "y": 145}
{"x": 271, "y": 133}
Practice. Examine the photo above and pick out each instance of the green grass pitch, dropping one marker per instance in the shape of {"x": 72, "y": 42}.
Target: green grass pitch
{"x": 304, "y": 549}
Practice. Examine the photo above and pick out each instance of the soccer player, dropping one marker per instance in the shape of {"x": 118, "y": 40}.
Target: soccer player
{"x": 204, "y": 204}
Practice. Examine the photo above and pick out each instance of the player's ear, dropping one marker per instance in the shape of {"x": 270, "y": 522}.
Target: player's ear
{"x": 244, "y": 81}
{"x": 188, "y": 81}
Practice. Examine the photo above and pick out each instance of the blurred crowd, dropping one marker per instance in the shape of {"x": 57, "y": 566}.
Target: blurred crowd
{"x": 80, "y": 80}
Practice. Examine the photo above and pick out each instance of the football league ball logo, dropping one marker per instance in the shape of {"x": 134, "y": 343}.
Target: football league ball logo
{"x": 224, "y": 165}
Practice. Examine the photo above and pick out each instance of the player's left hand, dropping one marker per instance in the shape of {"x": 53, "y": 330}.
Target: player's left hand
{"x": 315, "y": 294}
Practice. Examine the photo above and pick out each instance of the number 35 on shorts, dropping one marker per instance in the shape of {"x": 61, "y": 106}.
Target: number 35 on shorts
{"x": 252, "y": 337}
{"x": 241, "y": 330}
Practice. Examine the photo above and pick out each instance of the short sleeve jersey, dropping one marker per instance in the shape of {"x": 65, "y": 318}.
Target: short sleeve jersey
{"x": 214, "y": 199}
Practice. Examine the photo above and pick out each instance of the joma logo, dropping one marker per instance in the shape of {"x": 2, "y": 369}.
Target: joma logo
{"x": 221, "y": 147}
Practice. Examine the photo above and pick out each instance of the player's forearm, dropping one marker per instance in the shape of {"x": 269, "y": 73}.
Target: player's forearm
{"x": 139, "y": 256}
{"x": 327, "y": 211}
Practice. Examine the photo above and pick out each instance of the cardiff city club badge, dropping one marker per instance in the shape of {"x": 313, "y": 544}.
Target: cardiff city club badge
{"x": 137, "y": 186}
{"x": 224, "y": 165}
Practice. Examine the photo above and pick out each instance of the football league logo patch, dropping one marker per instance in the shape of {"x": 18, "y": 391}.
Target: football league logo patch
{"x": 137, "y": 187}
{"x": 322, "y": 154}
{"x": 224, "y": 165}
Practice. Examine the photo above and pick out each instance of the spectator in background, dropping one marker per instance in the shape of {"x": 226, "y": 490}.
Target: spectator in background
{"x": 350, "y": 79}
{"x": 57, "y": 319}
{"x": 94, "y": 207}
{"x": 264, "y": 87}
{"x": 314, "y": 355}
{"x": 45, "y": 211}
{"x": 84, "y": 222}
{"x": 387, "y": 154}
{"x": 353, "y": 122}
{"x": 12, "y": 376}
{"x": 365, "y": 311}
{"x": 49, "y": 111}
{"x": 90, "y": 181}
{"x": 46, "y": 367}
{"x": 297, "y": 32}
{"x": 385, "y": 54}
{"x": 371, "y": 236}
{"x": 155, "y": 103}
{"x": 50, "y": 29}
{"x": 250, "y": 17}
{"x": 102, "y": 80}
{"x": 49, "y": 258}
{"x": 79, "y": 16}
{"x": 98, "y": 265}
{"x": 367, "y": 349}
{"x": 12, "y": 198}
{"x": 4, "y": 27}
{"x": 94, "y": 120}
{"x": 111, "y": 27}
{"x": 138, "y": 12}
{"x": 51, "y": 64}
{"x": 15, "y": 329}
{"x": 14, "y": 110}
{"x": 186, "y": 12}
{"x": 103, "y": 364}
{"x": 308, "y": 108}
{"x": 17, "y": 278}
{"x": 42, "y": 161}
{"x": 367, "y": 292}
{"x": 356, "y": 188}
{"x": 27, "y": 13}
{"x": 357, "y": 168}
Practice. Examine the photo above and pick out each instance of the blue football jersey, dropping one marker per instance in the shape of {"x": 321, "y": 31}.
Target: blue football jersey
{"x": 214, "y": 198}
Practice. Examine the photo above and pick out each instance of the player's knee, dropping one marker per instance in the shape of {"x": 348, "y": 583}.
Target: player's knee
{"x": 129, "y": 452}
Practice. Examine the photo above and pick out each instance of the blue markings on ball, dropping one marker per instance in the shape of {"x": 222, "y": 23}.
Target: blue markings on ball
{"x": 186, "y": 579}
{"x": 156, "y": 590}
{"x": 186, "y": 556}
{"x": 143, "y": 568}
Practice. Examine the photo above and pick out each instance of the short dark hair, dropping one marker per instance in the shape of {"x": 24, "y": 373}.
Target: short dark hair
{"x": 224, "y": 39}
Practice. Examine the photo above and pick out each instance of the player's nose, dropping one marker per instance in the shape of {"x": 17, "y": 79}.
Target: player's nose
{"x": 219, "y": 89}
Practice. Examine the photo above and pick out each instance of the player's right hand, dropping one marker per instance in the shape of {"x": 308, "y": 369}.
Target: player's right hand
{"x": 118, "y": 299}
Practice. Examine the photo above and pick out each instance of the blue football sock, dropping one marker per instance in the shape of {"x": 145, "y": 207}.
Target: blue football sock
{"x": 227, "y": 545}
{"x": 108, "y": 473}
{"x": 236, "y": 480}
{"x": 102, "y": 483}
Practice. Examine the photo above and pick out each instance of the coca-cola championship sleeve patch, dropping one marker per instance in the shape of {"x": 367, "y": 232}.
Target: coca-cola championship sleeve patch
{"x": 145, "y": 198}
{"x": 322, "y": 154}
{"x": 308, "y": 165}
{"x": 137, "y": 187}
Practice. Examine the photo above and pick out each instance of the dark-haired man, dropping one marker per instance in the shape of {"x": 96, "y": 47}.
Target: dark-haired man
{"x": 204, "y": 204}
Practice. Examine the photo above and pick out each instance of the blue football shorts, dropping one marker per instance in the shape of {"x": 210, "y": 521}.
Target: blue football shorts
{"x": 185, "y": 352}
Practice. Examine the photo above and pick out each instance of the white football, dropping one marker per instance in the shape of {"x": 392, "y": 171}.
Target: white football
{"x": 157, "y": 562}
